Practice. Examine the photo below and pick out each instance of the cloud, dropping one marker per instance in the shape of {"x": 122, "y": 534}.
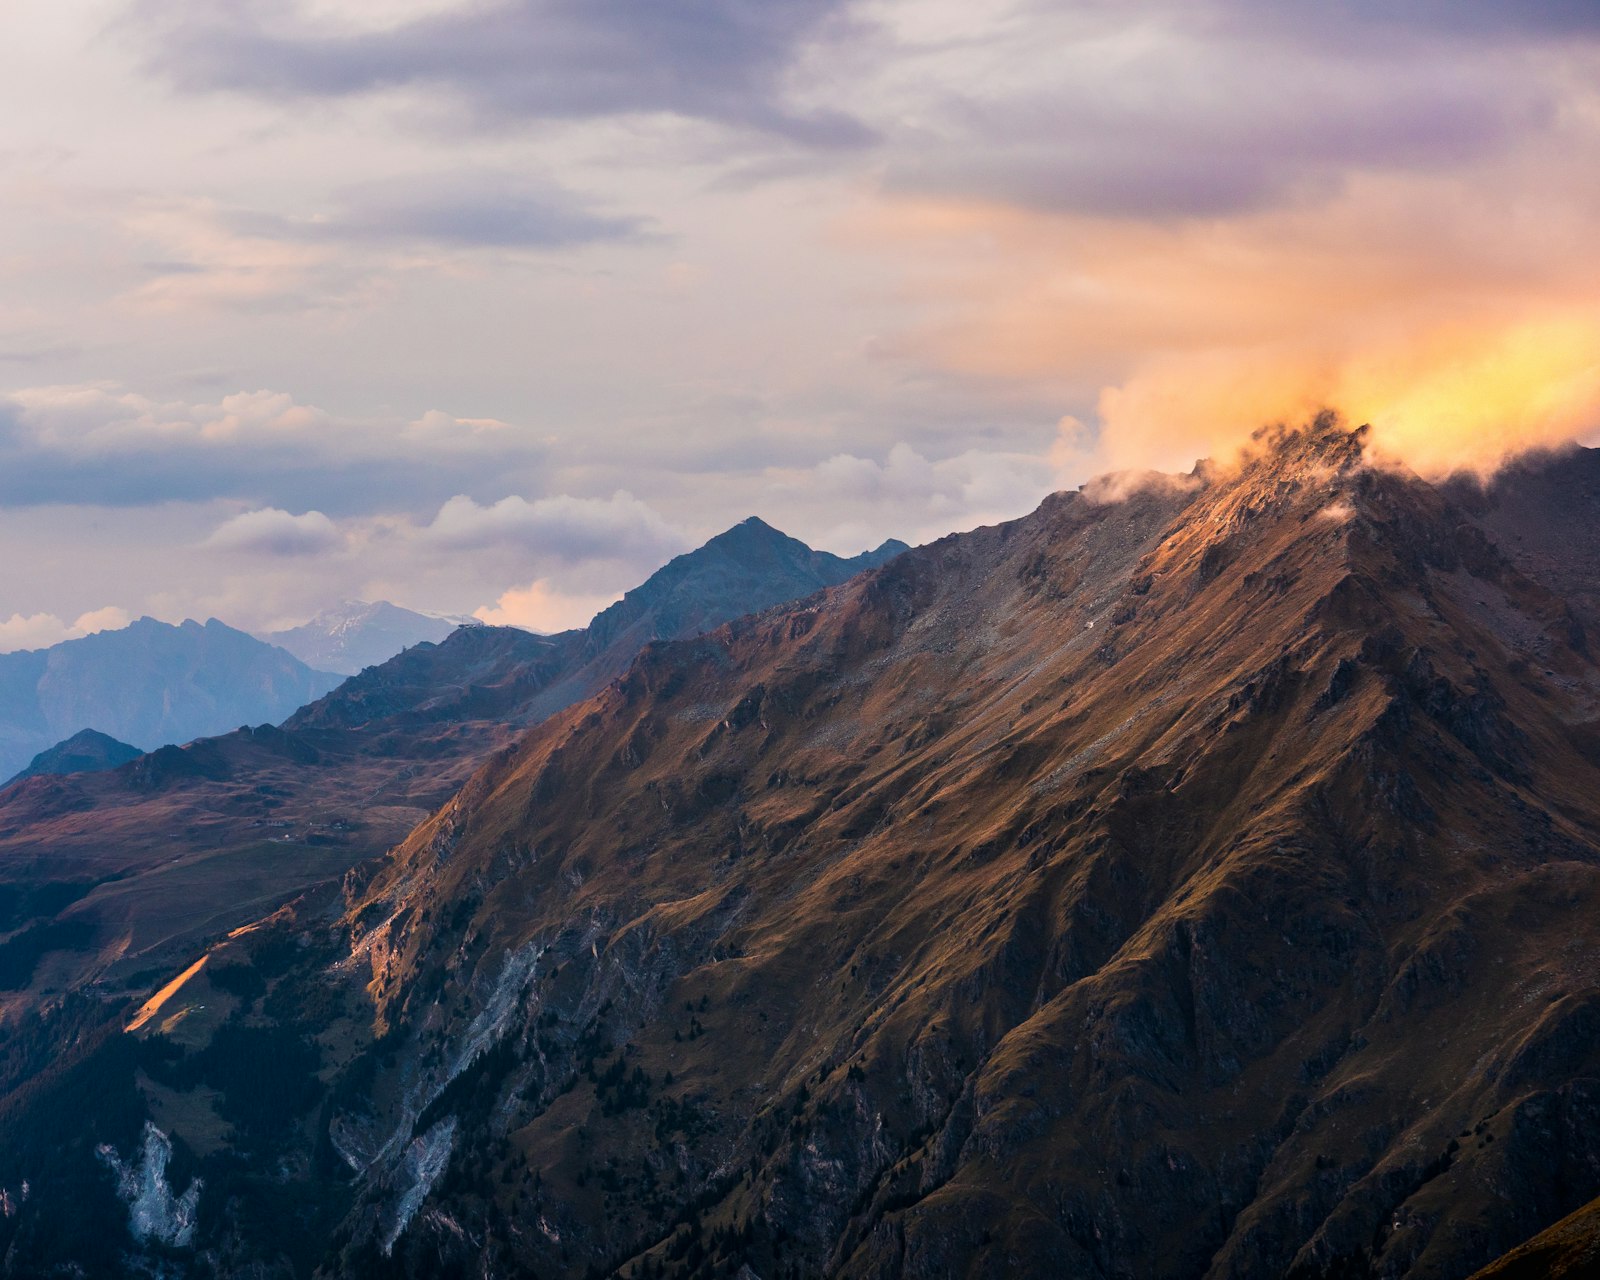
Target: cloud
{"x": 461, "y": 209}
{"x": 273, "y": 531}
{"x": 32, "y": 631}
{"x": 512, "y": 61}
{"x": 41, "y": 630}
{"x": 541, "y": 607}
{"x": 1479, "y": 20}
{"x": 1453, "y": 397}
{"x": 475, "y": 208}
{"x": 1175, "y": 113}
{"x": 559, "y": 529}
{"x": 200, "y": 257}
{"x": 104, "y": 445}
{"x": 89, "y": 420}
{"x": 1452, "y": 307}
{"x": 909, "y": 496}
{"x": 109, "y": 618}
{"x": 970, "y": 481}
{"x": 347, "y": 251}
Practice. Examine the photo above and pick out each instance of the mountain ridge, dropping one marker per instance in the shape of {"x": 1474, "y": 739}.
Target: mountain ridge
{"x": 1159, "y": 887}
{"x": 206, "y": 837}
{"x": 745, "y": 569}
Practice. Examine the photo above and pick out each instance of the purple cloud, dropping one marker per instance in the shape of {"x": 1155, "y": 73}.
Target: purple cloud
{"x": 722, "y": 61}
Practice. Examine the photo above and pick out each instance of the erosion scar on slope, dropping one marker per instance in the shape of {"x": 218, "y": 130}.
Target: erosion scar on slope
{"x": 152, "y": 1006}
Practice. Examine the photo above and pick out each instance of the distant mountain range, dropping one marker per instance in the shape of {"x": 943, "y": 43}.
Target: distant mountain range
{"x": 356, "y": 634}
{"x": 147, "y": 684}
{"x": 514, "y": 676}
{"x": 192, "y": 839}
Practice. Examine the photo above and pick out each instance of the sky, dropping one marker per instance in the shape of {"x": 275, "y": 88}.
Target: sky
{"x": 492, "y": 306}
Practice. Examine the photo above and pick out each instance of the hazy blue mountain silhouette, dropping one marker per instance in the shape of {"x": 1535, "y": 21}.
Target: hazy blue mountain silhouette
{"x": 147, "y": 684}
{"x": 358, "y": 634}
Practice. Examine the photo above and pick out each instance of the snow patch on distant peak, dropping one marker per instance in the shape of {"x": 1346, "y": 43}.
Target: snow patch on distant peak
{"x": 154, "y": 1213}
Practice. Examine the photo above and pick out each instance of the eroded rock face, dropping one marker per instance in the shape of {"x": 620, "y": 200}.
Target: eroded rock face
{"x": 155, "y": 1213}
{"x": 423, "y": 1161}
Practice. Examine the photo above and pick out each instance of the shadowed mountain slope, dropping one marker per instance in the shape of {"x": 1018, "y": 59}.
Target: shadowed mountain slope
{"x": 1544, "y": 512}
{"x": 1194, "y": 886}
{"x": 87, "y": 751}
{"x": 195, "y": 840}
{"x": 1570, "y": 1250}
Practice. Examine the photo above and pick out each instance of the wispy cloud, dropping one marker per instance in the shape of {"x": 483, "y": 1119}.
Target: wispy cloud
{"x": 111, "y": 446}
{"x": 519, "y": 61}
{"x": 456, "y": 209}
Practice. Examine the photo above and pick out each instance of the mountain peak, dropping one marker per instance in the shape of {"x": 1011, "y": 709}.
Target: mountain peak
{"x": 87, "y": 751}
{"x": 1324, "y": 441}
{"x": 1271, "y": 795}
{"x": 1194, "y": 790}
{"x": 752, "y": 531}
{"x": 148, "y": 684}
{"x": 356, "y": 634}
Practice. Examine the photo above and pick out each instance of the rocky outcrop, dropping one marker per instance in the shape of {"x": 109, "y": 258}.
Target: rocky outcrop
{"x": 155, "y": 1213}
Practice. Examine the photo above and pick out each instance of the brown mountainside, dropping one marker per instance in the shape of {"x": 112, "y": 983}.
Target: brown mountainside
{"x": 1196, "y": 885}
{"x": 198, "y": 839}
{"x": 1570, "y": 1250}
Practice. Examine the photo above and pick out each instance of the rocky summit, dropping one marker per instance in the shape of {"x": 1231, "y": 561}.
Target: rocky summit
{"x": 1193, "y": 880}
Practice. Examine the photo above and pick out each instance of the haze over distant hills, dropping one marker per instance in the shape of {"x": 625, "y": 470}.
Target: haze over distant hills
{"x": 147, "y": 684}
{"x": 359, "y": 634}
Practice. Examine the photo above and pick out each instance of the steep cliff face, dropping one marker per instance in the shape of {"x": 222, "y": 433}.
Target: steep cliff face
{"x": 1193, "y": 885}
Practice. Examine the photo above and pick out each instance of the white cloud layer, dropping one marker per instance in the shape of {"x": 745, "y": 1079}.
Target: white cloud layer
{"x": 542, "y": 607}
{"x": 41, "y": 630}
{"x": 561, "y": 528}
{"x": 273, "y": 531}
